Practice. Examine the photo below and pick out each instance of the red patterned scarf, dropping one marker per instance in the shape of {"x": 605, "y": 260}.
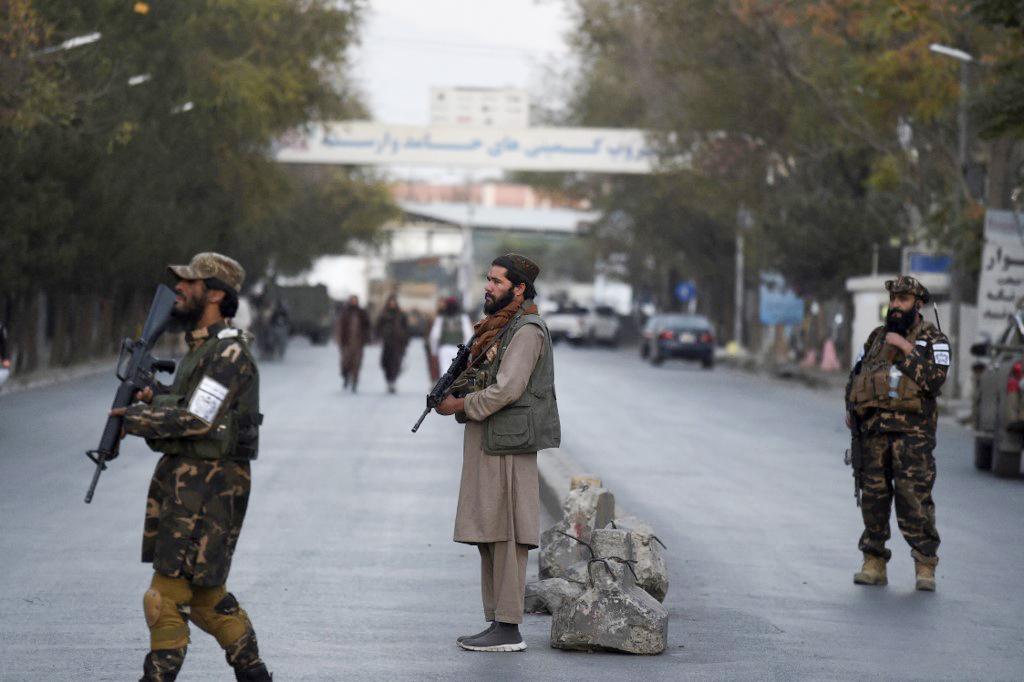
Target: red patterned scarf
{"x": 487, "y": 328}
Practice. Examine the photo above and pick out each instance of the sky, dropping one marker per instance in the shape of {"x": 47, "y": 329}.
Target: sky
{"x": 410, "y": 45}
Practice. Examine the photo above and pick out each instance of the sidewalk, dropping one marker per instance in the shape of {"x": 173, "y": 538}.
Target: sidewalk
{"x": 56, "y": 375}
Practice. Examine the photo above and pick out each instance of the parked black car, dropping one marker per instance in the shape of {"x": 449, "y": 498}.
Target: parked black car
{"x": 690, "y": 337}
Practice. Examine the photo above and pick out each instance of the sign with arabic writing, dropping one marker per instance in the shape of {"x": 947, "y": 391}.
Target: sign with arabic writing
{"x": 1001, "y": 284}
{"x": 608, "y": 150}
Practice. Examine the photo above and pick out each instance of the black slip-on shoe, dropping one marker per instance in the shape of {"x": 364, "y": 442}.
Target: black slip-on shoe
{"x": 462, "y": 638}
{"x": 504, "y": 637}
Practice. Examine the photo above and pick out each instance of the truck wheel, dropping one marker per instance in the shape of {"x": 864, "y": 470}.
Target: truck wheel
{"x": 657, "y": 358}
{"x": 982, "y": 454}
{"x": 708, "y": 361}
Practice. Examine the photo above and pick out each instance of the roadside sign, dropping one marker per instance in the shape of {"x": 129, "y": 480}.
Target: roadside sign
{"x": 686, "y": 291}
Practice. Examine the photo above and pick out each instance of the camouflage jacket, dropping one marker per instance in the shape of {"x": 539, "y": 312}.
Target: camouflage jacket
{"x": 912, "y": 407}
{"x": 198, "y": 398}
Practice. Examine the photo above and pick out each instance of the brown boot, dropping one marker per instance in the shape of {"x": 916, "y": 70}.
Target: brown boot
{"x": 925, "y": 576}
{"x": 873, "y": 572}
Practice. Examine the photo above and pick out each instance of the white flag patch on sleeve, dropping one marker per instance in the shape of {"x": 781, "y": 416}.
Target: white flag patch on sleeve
{"x": 207, "y": 399}
{"x": 941, "y": 356}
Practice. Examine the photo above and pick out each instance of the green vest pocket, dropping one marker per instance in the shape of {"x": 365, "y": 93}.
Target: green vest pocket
{"x": 510, "y": 432}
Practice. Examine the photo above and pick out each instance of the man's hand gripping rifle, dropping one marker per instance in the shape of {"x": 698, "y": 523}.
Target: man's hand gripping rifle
{"x": 135, "y": 369}
{"x": 444, "y": 385}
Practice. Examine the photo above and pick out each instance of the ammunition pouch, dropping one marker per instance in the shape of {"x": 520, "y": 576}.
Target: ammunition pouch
{"x": 232, "y": 437}
{"x": 871, "y": 392}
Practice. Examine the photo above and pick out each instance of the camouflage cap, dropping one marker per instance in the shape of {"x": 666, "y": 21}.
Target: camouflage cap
{"x": 521, "y": 264}
{"x": 905, "y": 284}
{"x": 209, "y": 264}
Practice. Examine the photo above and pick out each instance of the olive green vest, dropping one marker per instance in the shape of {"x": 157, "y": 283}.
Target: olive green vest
{"x": 872, "y": 388}
{"x": 235, "y": 432}
{"x": 531, "y": 423}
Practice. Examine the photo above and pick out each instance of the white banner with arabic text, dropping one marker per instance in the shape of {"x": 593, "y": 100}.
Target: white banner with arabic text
{"x": 608, "y": 150}
{"x": 1001, "y": 284}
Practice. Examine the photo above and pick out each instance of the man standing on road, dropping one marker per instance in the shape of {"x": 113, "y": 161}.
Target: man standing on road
{"x": 393, "y": 332}
{"x": 891, "y": 397}
{"x": 352, "y": 333}
{"x": 5, "y": 355}
{"x": 510, "y": 413}
{"x": 207, "y": 427}
{"x": 451, "y": 328}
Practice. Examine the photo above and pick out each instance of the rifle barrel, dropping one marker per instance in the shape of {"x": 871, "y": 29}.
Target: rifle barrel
{"x": 420, "y": 420}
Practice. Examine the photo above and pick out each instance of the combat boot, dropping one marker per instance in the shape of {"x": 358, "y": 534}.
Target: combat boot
{"x": 925, "y": 576}
{"x": 873, "y": 571}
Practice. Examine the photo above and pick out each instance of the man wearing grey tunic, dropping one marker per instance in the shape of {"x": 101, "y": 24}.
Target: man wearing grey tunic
{"x": 510, "y": 413}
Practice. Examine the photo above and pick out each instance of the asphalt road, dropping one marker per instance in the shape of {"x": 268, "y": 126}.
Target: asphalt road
{"x": 347, "y": 568}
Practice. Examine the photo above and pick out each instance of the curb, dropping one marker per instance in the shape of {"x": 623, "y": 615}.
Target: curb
{"x": 556, "y": 467}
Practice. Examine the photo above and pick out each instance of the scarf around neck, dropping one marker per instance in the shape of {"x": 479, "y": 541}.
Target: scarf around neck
{"x": 487, "y": 328}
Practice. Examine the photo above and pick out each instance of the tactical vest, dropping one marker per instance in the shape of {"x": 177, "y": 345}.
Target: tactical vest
{"x": 451, "y": 330}
{"x": 531, "y": 423}
{"x": 871, "y": 388}
{"x": 235, "y": 432}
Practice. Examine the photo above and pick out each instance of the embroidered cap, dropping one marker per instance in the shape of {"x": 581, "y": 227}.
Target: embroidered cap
{"x": 905, "y": 284}
{"x": 520, "y": 264}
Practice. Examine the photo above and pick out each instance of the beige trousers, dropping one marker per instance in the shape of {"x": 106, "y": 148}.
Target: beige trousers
{"x": 503, "y": 580}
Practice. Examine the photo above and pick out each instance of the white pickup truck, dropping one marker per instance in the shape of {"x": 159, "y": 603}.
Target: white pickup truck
{"x": 579, "y": 325}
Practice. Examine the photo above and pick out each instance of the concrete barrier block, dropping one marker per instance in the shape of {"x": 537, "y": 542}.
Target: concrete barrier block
{"x": 584, "y": 510}
{"x": 612, "y": 619}
{"x": 546, "y": 596}
{"x": 649, "y": 562}
{"x": 612, "y": 613}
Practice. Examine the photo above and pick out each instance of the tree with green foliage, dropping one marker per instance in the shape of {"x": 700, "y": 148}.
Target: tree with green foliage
{"x": 154, "y": 140}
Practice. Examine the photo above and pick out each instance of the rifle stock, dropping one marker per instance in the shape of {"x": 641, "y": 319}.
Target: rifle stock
{"x": 135, "y": 369}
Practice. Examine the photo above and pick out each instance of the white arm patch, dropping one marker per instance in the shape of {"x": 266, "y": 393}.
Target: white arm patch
{"x": 207, "y": 399}
{"x": 941, "y": 357}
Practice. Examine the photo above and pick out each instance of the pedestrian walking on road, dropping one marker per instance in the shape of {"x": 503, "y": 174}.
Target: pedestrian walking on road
{"x": 510, "y": 413}
{"x": 891, "y": 406}
{"x": 451, "y": 328}
{"x": 393, "y": 332}
{"x": 352, "y": 332}
{"x": 5, "y": 355}
{"x": 207, "y": 426}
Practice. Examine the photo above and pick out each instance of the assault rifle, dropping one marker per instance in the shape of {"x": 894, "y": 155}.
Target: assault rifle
{"x": 135, "y": 369}
{"x": 855, "y": 456}
{"x": 444, "y": 385}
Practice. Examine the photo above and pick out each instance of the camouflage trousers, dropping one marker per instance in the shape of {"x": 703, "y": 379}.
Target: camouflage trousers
{"x": 900, "y": 466}
{"x": 194, "y": 515}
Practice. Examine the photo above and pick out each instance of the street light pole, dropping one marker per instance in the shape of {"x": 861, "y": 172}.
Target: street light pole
{"x": 743, "y": 220}
{"x": 955, "y": 299}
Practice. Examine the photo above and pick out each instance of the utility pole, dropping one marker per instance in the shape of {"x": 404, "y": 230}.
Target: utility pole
{"x": 955, "y": 268}
{"x": 743, "y": 221}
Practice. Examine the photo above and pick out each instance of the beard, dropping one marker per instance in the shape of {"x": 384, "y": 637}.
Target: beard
{"x": 899, "y": 321}
{"x": 186, "y": 318}
{"x": 492, "y": 306}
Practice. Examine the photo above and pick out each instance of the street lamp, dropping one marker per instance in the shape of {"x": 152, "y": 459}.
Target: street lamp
{"x": 965, "y": 60}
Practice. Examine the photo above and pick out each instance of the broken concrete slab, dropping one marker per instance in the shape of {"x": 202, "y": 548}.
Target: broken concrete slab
{"x": 649, "y": 563}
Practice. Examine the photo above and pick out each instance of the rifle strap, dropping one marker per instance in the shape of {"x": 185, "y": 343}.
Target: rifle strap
{"x": 497, "y": 337}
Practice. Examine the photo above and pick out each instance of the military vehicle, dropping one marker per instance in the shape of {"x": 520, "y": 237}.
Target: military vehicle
{"x": 998, "y": 411}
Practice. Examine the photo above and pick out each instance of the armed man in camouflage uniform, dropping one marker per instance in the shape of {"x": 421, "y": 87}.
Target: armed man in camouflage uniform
{"x": 206, "y": 425}
{"x": 891, "y": 398}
